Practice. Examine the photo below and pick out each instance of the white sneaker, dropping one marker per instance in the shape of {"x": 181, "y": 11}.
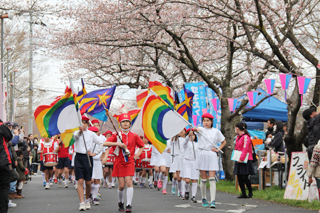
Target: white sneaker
{"x": 112, "y": 184}
{"x": 47, "y": 186}
{"x": 60, "y": 184}
{"x": 82, "y": 207}
{"x": 65, "y": 185}
{"x": 87, "y": 205}
{"x": 11, "y": 205}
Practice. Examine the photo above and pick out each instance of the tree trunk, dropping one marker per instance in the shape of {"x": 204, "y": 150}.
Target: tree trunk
{"x": 227, "y": 129}
{"x": 294, "y": 142}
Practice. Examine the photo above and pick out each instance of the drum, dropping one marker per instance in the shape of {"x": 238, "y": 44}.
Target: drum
{"x": 50, "y": 159}
{"x": 110, "y": 160}
{"x": 145, "y": 163}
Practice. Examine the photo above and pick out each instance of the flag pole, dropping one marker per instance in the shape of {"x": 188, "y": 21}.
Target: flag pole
{"x": 187, "y": 122}
{"x": 80, "y": 123}
{"x": 127, "y": 152}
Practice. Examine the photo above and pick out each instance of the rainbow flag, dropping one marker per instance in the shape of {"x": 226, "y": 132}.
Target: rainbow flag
{"x": 141, "y": 96}
{"x": 91, "y": 103}
{"x": 41, "y": 111}
{"x": 165, "y": 92}
{"x": 62, "y": 116}
{"x": 158, "y": 121}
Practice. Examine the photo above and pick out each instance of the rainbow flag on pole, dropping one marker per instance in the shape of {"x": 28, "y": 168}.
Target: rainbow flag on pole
{"x": 158, "y": 121}
{"x": 62, "y": 116}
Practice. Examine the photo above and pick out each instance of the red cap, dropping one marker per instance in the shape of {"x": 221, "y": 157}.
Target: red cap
{"x": 84, "y": 118}
{"x": 207, "y": 115}
{"x": 124, "y": 117}
{"x": 93, "y": 129}
{"x": 107, "y": 132}
{"x": 95, "y": 121}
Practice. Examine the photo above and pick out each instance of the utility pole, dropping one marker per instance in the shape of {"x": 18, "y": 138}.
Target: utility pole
{"x": 30, "y": 111}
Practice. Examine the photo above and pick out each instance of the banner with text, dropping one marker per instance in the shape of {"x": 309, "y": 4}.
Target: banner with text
{"x": 297, "y": 187}
{"x": 199, "y": 98}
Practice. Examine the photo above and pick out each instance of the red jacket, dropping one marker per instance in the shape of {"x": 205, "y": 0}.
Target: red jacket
{"x": 244, "y": 144}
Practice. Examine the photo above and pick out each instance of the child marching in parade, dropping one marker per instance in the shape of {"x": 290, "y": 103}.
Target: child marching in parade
{"x": 189, "y": 170}
{"x": 63, "y": 163}
{"x": 124, "y": 163}
{"x": 108, "y": 165}
{"x": 145, "y": 158}
{"x": 46, "y": 147}
{"x": 84, "y": 142}
{"x": 97, "y": 172}
{"x": 176, "y": 166}
{"x": 206, "y": 158}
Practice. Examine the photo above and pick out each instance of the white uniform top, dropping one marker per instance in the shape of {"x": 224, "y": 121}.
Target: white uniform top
{"x": 47, "y": 145}
{"x": 213, "y": 134}
{"x": 176, "y": 147}
{"x": 154, "y": 150}
{"x": 188, "y": 145}
{"x": 90, "y": 138}
{"x": 99, "y": 147}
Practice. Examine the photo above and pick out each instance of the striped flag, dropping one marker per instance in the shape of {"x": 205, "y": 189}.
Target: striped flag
{"x": 158, "y": 122}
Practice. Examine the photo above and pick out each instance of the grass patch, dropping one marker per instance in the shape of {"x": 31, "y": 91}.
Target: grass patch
{"x": 274, "y": 194}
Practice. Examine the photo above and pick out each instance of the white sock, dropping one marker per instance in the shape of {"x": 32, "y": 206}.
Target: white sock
{"x": 107, "y": 181}
{"x": 143, "y": 180}
{"x": 161, "y": 176}
{"x": 174, "y": 183}
{"x": 150, "y": 179}
{"x": 113, "y": 179}
{"x": 95, "y": 190}
{"x": 212, "y": 182}
{"x": 183, "y": 187}
{"x": 194, "y": 189}
{"x": 187, "y": 186}
{"x": 43, "y": 177}
{"x": 165, "y": 181}
{"x": 54, "y": 176}
{"x": 66, "y": 181}
{"x": 203, "y": 188}
{"x": 140, "y": 177}
{"x": 156, "y": 176}
{"x": 129, "y": 195}
{"x": 120, "y": 195}
{"x": 179, "y": 186}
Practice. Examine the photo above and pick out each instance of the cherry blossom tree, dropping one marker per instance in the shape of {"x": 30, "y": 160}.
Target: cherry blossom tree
{"x": 230, "y": 45}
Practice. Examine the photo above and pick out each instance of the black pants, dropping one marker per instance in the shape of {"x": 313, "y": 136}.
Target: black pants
{"x": 4, "y": 188}
{"x": 244, "y": 180}
{"x": 34, "y": 168}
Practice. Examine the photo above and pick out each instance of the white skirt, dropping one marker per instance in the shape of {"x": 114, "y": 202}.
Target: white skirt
{"x": 154, "y": 159}
{"x": 189, "y": 170}
{"x": 177, "y": 164}
{"x": 207, "y": 160}
{"x": 167, "y": 158}
{"x": 97, "y": 171}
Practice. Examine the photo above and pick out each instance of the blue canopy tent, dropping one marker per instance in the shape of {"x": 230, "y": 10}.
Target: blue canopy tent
{"x": 267, "y": 109}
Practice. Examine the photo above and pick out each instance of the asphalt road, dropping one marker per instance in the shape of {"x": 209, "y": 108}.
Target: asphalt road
{"x": 65, "y": 200}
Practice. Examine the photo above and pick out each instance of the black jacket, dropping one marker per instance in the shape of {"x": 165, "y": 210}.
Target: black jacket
{"x": 277, "y": 141}
{"x": 5, "y": 137}
{"x": 313, "y": 127}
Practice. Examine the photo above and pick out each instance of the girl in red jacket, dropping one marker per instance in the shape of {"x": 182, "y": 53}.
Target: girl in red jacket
{"x": 241, "y": 169}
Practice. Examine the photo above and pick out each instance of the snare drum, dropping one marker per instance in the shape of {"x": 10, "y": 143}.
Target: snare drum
{"x": 50, "y": 159}
{"x": 145, "y": 163}
{"x": 111, "y": 159}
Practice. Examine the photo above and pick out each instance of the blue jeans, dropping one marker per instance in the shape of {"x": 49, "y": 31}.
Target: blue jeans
{"x": 13, "y": 186}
